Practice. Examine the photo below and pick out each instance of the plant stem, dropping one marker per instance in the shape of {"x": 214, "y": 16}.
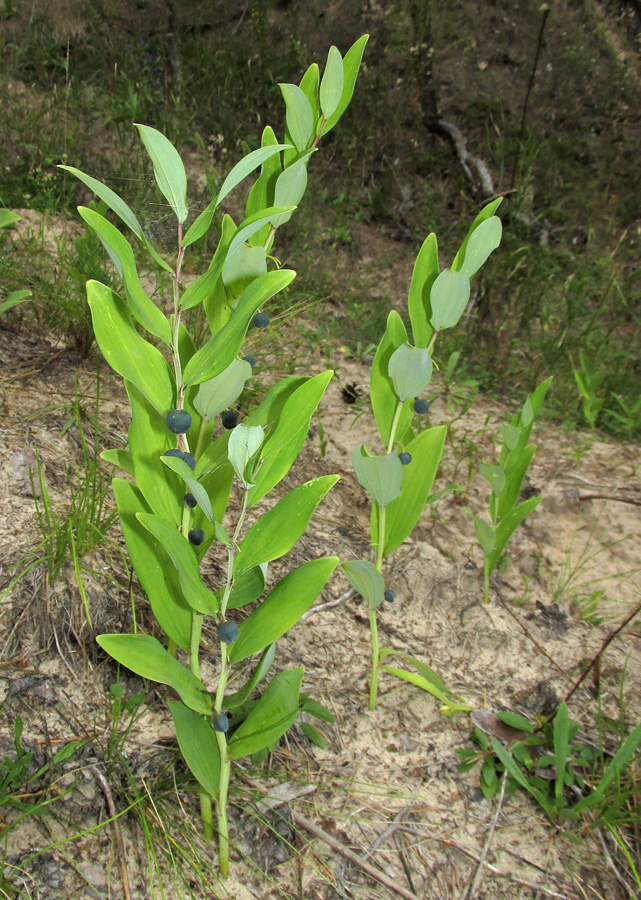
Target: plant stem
{"x": 486, "y": 580}
{"x": 392, "y": 434}
{"x": 207, "y": 816}
{"x": 373, "y": 687}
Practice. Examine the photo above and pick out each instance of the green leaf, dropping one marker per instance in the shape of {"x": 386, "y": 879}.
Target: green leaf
{"x": 218, "y": 393}
{"x": 480, "y": 244}
{"x": 247, "y": 587}
{"x": 517, "y": 774}
{"x": 244, "y": 443}
{"x": 448, "y": 299}
{"x": 426, "y": 270}
{"x": 180, "y": 467}
{"x": 403, "y": 513}
{"x": 273, "y": 715}
{"x": 15, "y": 298}
{"x": 247, "y": 165}
{"x": 286, "y": 438}
{"x": 511, "y": 436}
{"x": 514, "y": 720}
{"x": 313, "y": 734}
{"x": 276, "y": 532}
{"x": 410, "y": 369}
{"x": 218, "y": 352}
{"x": 331, "y": 87}
{"x": 290, "y": 187}
{"x": 198, "y": 745}
{"x": 142, "y": 307}
{"x": 242, "y": 267}
{"x": 169, "y": 170}
{"x": 309, "y": 84}
{"x": 119, "y": 457}
{"x": 288, "y": 600}
{"x": 382, "y": 393}
{"x": 485, "y": 214}
{"x": 183, "y": 556}
{"x": 351, "y": 65}
{"x": 615, "y": 767}
{"x": 200, "y": 226}
{"x": 507, "y": 526}
{"x": 7, "y": 217}
{"x": 261, "y": 670}
{"x": 149, "y": 438}
{"x": 156, "y": 575}
{"x": 561, "y": 750}
{"x": 113, "y": 201}
{"x": 418, "y": 681}
{"x": 422, "y": 668}
{"x": 485, "y": 535}
{"x": 126, "y": 352}
{"x": 495, "y": 477}
{"x": 147, "y": 657}
{"x": 300, "y": 118}
{"x": 381, "y": 476}
{"x": 365, "y": 578}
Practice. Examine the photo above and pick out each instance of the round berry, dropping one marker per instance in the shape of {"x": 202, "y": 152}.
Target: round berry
{"x": 178, "y": 421}
{"x": 250, "y": 359}
{"x": 260, "y": 320}
{"x": 390, "y": 595}
{"x": 190, "y": 459}
{"x": 221, "y": 723}
{"x": 190, "y": 501}
{"x": 421, "y": 407}
{"x": 175, "y": 453}
{"x": 405, "y": 458}
{"x": 229, "y": 419}
{"x": 227, "y": 632}
{"x": 196, "y": 536}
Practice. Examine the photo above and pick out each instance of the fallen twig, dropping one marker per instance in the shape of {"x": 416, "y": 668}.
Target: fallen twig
{"x": 104, "y": 787}
{"x": 486, "y": 848}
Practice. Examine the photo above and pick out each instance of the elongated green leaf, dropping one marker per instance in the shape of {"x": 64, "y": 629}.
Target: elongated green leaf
{"x": 381, "y": 476}
{"x": 219, "y": 393}
{"x": 485, "y": 535}
{"x": 142, "y": 307}
{"x": 515, "y": 771}
{"x": 480, "y": 244}
{"x": 242, "y": 267}
{"x": 202, "y": 288}
{"x": 485, "y": 214}
{"x": 273, "y": 715}
{"x": 331, "y": 87}
{"x": 507, "y": 526}
{"x": 419, "y": 681}
{"x": 218, "y": 353}
{"x": 287, "y": 601}
{"x": 126, "y": 352}
{"x": 515, "y": 466}
{"x": 246, "y": 166}
{"x": 261, "y": 669}
{"x": 182, "y": 555}
{"x": 119, "y": 457}
{"x": 403, "y": 513}
{"x": 290, "y": 187}
{"x": 421, "y": 667}
{"x": 272, "y": 216}
{"x": 309, "y": 85}
{"x": 382, "y": 393}
{"x": 147, "y": 657}
{"x": 351, "y": 65}
{"x": 7, "y": 217}
{"x": 261, "y": 195}
{"x": 561, "y": 749}
{"x": 15, "y": 298}
{"x": 365, "y": 578}
{"x": 276, "y": 532}
{"x": 285, "y": 439}
{"x": 244, "y": 443}
{"x": 426, "y": 270}
{"x": 615, "y": 767}
{"x": 448, "y": 299}
{"x": 198, "y": 745}
{"x": 495, "y": 477}
{"x": 410, "y": 369}
{"x": 156, "y": 575}
{"x": 200, "y": 226}
{"x": 169, "y": 170}
{"x": 300, "y": 119}
{"x": 149, "y": 438}
{"x": 274, "y": 401}
{"x": 180, "y": 467}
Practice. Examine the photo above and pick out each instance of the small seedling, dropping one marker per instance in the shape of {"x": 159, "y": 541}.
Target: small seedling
{"x": 167, "y": 539}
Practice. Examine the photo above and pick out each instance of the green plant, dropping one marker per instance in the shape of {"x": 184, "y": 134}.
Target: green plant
{"x": 505, "y": 481}
{"x": 15, "y": 298}
{"x": 167, "y": 537}
{"x": 589, "y": 381}
{"x": 554, "y": 765}
{"x": 401, "y": 372}
{"x": 628, "y": 415}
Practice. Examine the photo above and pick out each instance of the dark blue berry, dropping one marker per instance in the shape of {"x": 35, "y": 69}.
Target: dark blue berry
{"x": 221, "y": 723}
{"x": 250, "y": 359}
{"x": 190, "y": 501}
{"x": 178, "y": 421}
{"x": 421, "y": 407}
{"x": 175, "y": 453}
{"x": 405, "y": 458}
{"x": 260, "y": 320}
{"x": 190, "y": 459}
{"x": 229, "y": 419}
{"x": 389, "y": 595}
{"x": 196, "y": 536}
{"x": 227, "y": 632}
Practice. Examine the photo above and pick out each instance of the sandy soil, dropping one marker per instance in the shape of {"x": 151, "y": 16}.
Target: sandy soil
{"x": 387, "y": 786}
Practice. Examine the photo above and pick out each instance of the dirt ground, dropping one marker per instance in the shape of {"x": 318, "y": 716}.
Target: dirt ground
{"x": 387, "y": 785}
